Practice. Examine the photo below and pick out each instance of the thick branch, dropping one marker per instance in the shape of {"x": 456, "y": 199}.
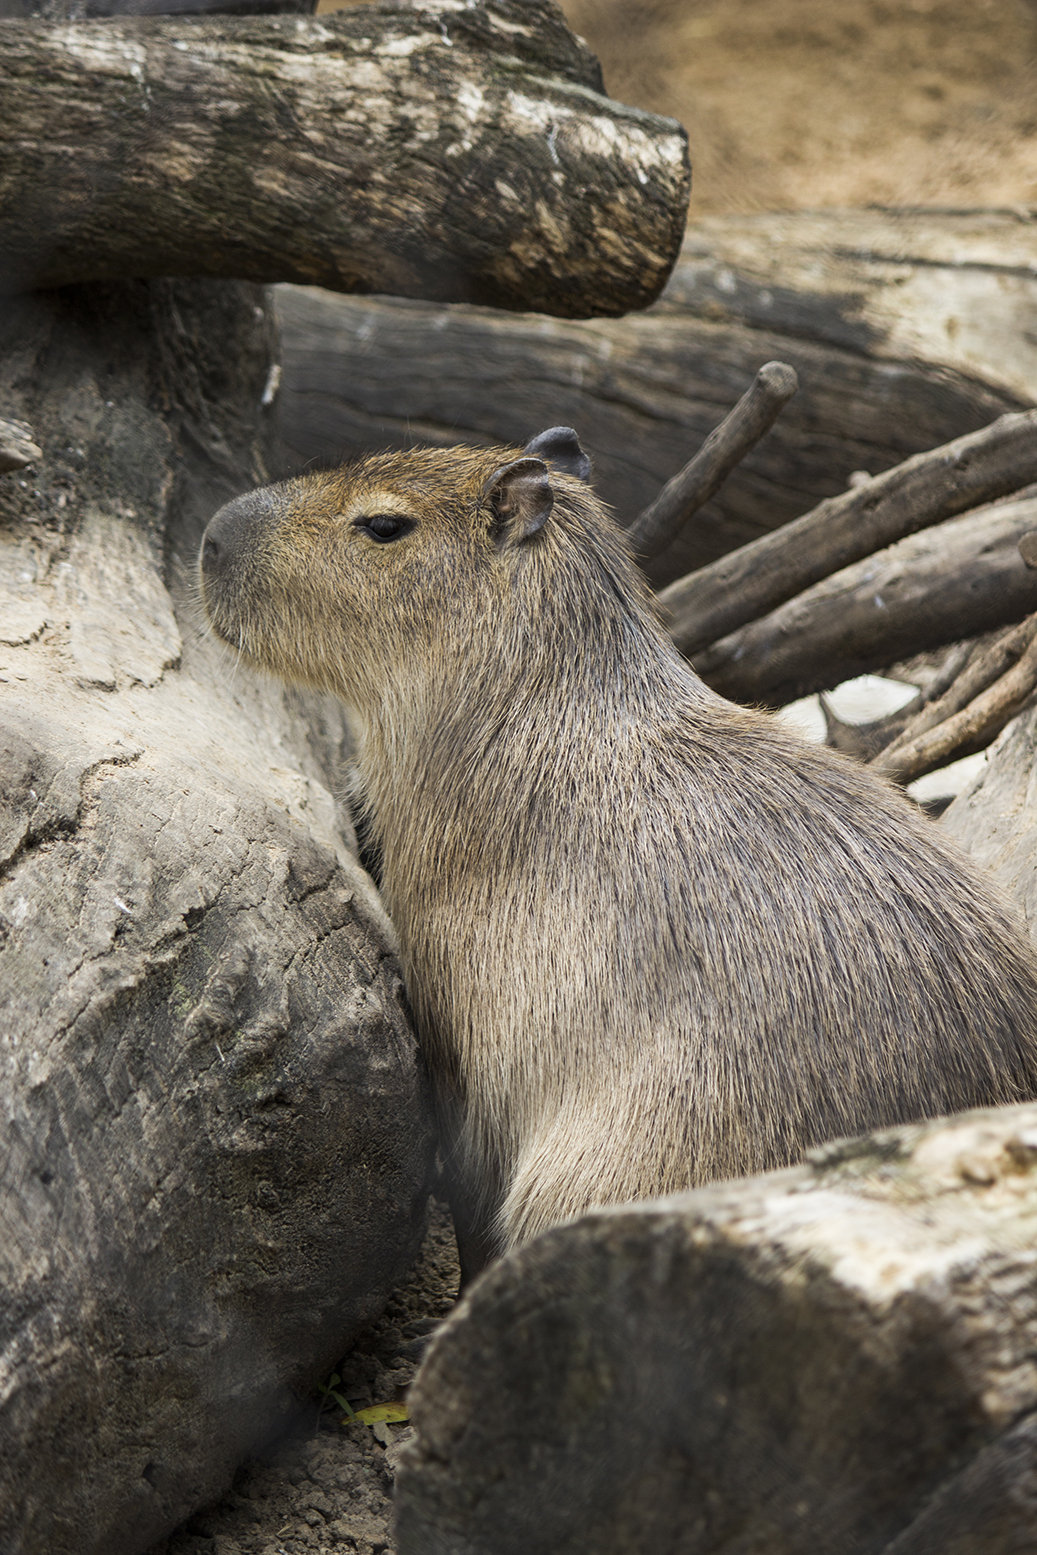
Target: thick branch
{"x": 957, "y": 580}
{"x": 442, "y": 151}
{"x": 725, "y": 447}
{"x": 933, "y": 486}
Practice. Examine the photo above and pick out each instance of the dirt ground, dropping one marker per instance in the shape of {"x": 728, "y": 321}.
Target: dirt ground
{"x": 788, "y": 104}
{"x": 327, "y": 1490}
{"x": 793, "y": 104}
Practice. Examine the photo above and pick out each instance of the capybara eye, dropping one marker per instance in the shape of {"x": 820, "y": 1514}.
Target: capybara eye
{"x": 383, "y": 526}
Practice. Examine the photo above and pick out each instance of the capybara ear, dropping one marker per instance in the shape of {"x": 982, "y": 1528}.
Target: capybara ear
{"x": 561, "y": 447}
{"x": 521, "y": 498}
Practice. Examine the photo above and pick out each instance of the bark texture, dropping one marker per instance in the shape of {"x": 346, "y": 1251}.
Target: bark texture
{"x": 996, "y": 815}
{"x": 216, "y": 1143}
{"x": 905, "y": 329}
{"x": 446, "y": 151}
{"x": 833, "y": 1358}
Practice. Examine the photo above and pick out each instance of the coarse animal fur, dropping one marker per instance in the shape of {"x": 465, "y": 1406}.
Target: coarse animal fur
{"x": 650, "y": 938}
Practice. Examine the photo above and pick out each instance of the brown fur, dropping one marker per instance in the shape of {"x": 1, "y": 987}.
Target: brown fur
{"x": 650, "y": 938}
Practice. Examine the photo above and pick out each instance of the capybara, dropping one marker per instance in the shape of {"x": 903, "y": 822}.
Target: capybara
{"x": 649, "y": 938}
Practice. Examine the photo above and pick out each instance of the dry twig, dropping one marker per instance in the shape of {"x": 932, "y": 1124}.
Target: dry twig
{"x": 725, "y": 447}
{"x": 990, "y": 691}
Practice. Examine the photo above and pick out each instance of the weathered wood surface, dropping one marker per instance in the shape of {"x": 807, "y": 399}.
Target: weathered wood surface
{"x": 995, "y": 817}
{"x": 905, "y": 329}
{"x": 958, "y": 579}
{"x": 832, "y": 1358}
{"x": 444, "y": 151}
{"x": 214, "y": 1136}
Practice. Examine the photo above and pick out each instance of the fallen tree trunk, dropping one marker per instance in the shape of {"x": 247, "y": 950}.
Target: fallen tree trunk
{"x": 906, "y": 330}
{"x": 836, "y": 1357}
{"x": 215, "y": 1141}
{"x": 956, "y": 580}
{"x": 440, "y": 151}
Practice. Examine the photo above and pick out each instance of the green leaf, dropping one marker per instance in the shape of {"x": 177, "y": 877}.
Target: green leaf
{"x": 375, "y": 1412}
{"x": 330, "y": 1394}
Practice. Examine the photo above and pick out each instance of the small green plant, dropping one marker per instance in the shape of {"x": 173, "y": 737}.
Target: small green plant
{"x": 330, "y": 1396}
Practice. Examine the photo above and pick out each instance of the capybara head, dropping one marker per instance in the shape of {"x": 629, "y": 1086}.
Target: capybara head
{"x": 367, "y": 577}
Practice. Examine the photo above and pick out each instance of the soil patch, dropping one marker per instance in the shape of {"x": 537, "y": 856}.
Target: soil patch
{"x": 796, "y": 104}
{"x": 328, "y": 1487}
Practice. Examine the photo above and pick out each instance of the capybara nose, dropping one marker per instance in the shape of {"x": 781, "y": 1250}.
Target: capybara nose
{"x": 234, "y": 531}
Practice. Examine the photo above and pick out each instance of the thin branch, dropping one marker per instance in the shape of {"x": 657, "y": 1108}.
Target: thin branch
{"x": 18, "y": 446}
{"x": 725, "y": 447}
{"x": 972, "y": 724}
{"x": 865, "y": 742}
{"x": 924, "y": 490}
{"x": 975, "y": 678}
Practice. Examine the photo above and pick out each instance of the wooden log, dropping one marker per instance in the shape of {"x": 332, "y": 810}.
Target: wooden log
{"x": 746, "y": 584}
{"x": 821, "y": 1359}
{"x": 906, "y": 329}
{"x": 960, "y": 579}
{"x": 439, "y": 151}
{"x": 214, "y": 1135}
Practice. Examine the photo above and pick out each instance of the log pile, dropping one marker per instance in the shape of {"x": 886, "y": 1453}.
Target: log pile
{"x": 874, "y": 575}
